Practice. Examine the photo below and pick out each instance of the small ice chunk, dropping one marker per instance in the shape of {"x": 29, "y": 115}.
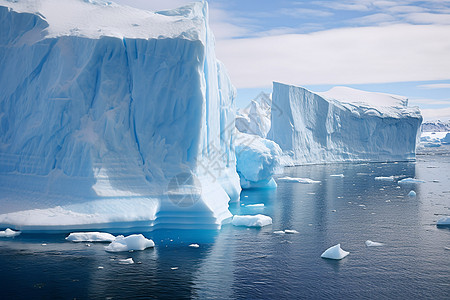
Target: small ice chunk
{"x": 412, "y": 194}
{"x": 174, "y": 268}
{"x": 255, "y": 205}
{"x": 9, "y": 233}
{"x": 389, "y": 178}
{"x": 335, "y": 252}
{"x": 370, "y": 243}
{"x": 131, "y": 242}
{"x": 445, "y": 221}
{"x": 279, "y": 232}
{"x": 290, "y": 231}
{"x": 127, "y": 261}
{"x": 90, "y": 237}
{"x": 99, "y": 267}
{"x": 298, "y": 179}
{"x": 337, "y": 175}
{"x": 251, "y": 221}
{"x": 410, "y": 180}
{"x": 194, "y": 245}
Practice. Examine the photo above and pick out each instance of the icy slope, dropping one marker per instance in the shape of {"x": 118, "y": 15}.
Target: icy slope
{"x": 343, "y": 124}
{"x": 112, "y": 117}
{"x": 255, "y": 118}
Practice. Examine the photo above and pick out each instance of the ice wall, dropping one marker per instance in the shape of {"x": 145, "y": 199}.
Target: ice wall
{"x": 112, "y": 117}
{"x": 343, "y": 124}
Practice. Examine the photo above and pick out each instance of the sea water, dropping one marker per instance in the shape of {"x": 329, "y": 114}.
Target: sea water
{"x": 252, "y": 263}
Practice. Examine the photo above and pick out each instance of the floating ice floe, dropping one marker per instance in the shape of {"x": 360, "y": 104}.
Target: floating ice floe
{"x": 9, "y": 233}
{"x": 129, "y": 243}
{"x": 298, "y": 179}
{"x": 279, "y": 232}
{"x": 410, "y": 180}
{"x": 337, "y": 175}
{"x": 290, "y": 231}
{"x": 370, "y": 243}
{"x": 194, "y": 245}
{"x": 255, "y": 205}
{"x": 335, "y": 252}
{"x": 251, "y": 221}
{"x": 90, "y": 237}
{"x": 382, "y": 178}
{"x": 127, "y": 261}
{"x": 412, "y": 194}
{"x": 445, "y": 221}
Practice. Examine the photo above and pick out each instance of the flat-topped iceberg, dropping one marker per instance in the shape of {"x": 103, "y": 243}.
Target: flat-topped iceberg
{"x": 343, "y": 124}
{"x": 112, "y": 116}
{"x": 90, "y": 237}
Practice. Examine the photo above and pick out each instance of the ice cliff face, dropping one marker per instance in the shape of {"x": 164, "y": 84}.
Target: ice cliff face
{"x": 112, "y": 117}
{"x": 343, "y": 124}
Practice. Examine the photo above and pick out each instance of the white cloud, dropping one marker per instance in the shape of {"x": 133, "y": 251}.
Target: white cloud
{"x": 435, "y": 86}
{"x": 436, "y": 114}
{"x": 341, "y": 56}
{"x": 428, "y": 18}
{"x": 304, "y": 12}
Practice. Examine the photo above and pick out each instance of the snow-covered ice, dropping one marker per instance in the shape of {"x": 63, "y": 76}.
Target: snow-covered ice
{"x": 410, "y": 180}
{"x": 105, "y": 110}
{"x": 9, "y": 233}
{"x": 334, "y": 252}
{"x": 298, "y": 179}
{"x": 90, "y": 237}
{"x": 370, "y": 243}
{"x": 251, "y": 221}
{"x": 343, "y": 124}
{"x": 131, "y": 242}
{"x": 126, "y": 261}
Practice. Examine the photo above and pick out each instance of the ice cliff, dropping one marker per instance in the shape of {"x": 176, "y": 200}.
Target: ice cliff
{"x": 255, "y": 118}
{"x": 343, "y": 124}
{"x": 112, "y": 117}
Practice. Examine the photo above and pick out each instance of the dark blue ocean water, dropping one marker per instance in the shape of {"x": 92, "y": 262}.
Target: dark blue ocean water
{"x": 241, "y": 263}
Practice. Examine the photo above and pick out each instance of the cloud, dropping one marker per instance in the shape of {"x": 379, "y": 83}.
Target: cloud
{"x": 428, "y": 18}
{"x": 435, "y": 86}
{"x": 429, "y": 102}
{"x": 340, "y": 56}
{"x": 436, "y": 114}
{"x": 304, "y": 12}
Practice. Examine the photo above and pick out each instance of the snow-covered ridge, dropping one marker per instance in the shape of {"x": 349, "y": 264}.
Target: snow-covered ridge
{"x": 95, "y": 19}
{"x": 343, "y": 125}
{"x": 108, "y": 123}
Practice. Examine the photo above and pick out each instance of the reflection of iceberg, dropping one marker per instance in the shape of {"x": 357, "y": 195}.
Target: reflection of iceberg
{"x": 105, "y": 107}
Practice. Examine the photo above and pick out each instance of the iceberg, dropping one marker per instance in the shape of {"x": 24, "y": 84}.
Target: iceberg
{"x": 335, "y": 252}
{"x": 9, "y": 233}
{"x": 412, "y": 194}
{"x": 255, "y": 118}
{"x": 134, "y": 242}
{"x": 251, "y": 221}
{"x": 113, "y": 117}
{"x": 385, "y": 178}
{"x": 410, "y": 180}
{"x": 444, "y": 221}
{"x": 257, "y": 160}
{"x": 343, "y": 125}
{"x": 370, "y": 243}
{"x": 90, "y": 237}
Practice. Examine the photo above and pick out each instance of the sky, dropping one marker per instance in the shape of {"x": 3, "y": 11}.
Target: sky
{"x": 394, "y": 46}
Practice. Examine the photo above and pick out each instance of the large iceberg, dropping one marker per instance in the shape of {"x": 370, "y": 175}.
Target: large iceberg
{"x": 255, "y": 118}
{"x": 112, "y": 117}
{"x": 343, "y": 124}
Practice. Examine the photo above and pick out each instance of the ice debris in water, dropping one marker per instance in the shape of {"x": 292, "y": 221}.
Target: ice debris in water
{"x": 127, "y": 261}
{"x": 251, "y": 221}
{"x": 129, "y": 243}
{"x": 9, "y": 233}
{"x": 255, "y": 205}
{"x": 194, "y": 245}
{"x": 370, "y": 243}
{"x": 335, "y": 252}
{"x": 410, "y": 180}
{"x": 299, "y": 180}
{"x": 290, "y": 231}
{"x": 90, "y": 237}
{"x": 388, "y": 178}
{"x": 337, "y": 175}
{"x": 412, "y": 194}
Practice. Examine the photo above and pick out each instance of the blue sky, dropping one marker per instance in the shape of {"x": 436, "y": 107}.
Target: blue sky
{"x": 400, "y": 47}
